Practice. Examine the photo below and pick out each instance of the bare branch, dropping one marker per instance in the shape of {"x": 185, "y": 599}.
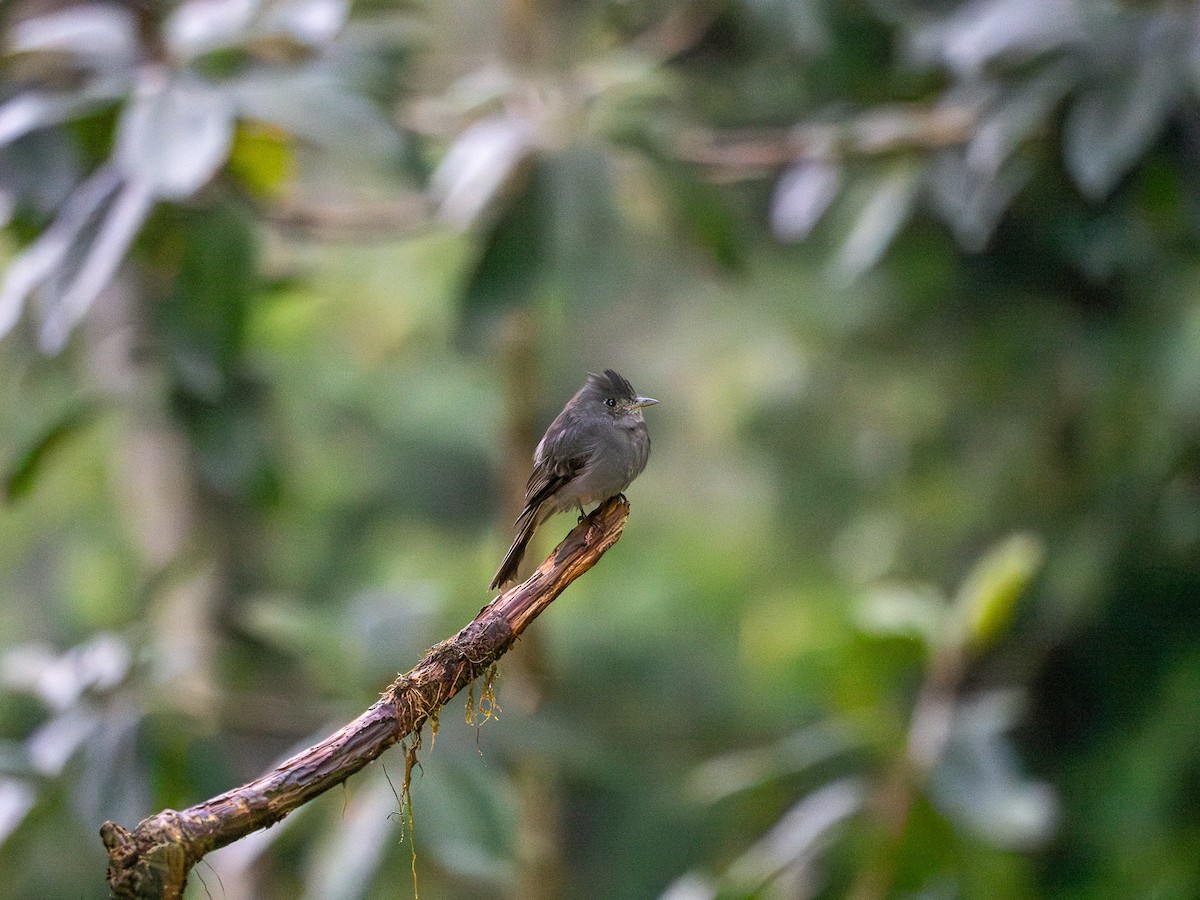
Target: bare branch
{"x": 408, "y": 215}
{"x": 733, "y": 155}
{"x": 154, "y": 859}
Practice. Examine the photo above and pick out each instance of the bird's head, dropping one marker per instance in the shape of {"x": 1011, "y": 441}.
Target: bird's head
{"x": 610, "y": 393}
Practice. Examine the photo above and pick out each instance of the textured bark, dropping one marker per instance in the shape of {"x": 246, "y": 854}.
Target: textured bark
{"x": 154, "y": 859}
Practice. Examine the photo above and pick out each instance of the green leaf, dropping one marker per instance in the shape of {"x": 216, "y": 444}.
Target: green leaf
{"x": 988, "y": 596}
{"x": 515, "y": 251}
{"x": 705, "y": 215}
{"x": 262, "y": 158}
{"x": 202, "y": 321}
{"x": 20, "y": 478}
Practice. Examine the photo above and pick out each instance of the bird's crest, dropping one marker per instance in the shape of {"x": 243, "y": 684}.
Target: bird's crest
{"x": 612, "y": 384}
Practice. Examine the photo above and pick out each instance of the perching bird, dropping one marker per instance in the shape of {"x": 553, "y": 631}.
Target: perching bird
{"x": 595, "y": 447}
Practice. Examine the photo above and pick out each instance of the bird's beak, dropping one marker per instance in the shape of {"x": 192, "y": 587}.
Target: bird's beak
{"x": 643, "y": 401}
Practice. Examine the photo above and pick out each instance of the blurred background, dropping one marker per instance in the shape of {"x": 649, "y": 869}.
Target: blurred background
{"x": 907, "y": 602}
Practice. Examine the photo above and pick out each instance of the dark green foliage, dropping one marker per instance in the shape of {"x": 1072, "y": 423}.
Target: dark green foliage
{"x": 514, "y": 254}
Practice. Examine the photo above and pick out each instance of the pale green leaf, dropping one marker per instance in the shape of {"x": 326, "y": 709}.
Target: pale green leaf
{"x": 989, "y": 595}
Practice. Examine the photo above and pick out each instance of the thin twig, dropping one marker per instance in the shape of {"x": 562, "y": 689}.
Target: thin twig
{"x": 751, "y": 153}
{"x": 403, "y": 217}
{"x": 154, "y": 859}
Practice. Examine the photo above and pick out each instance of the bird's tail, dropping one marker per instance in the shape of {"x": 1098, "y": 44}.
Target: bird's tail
{"x": 512, "y": 559}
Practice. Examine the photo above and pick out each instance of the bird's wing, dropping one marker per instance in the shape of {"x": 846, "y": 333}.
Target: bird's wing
{"x": 552, "y": 471}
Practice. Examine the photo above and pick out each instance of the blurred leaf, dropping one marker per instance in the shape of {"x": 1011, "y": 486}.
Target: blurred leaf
{"x": 72, "y": 227}
{"x": 113, "y": 781}
{"x": 690, "y": 886}
{"x": 1181, "y": 369}
{"x": 475, "y": 96}
{"x": 1113, "y": 123}
{"x": 702, "y": 212}
{"x": 203, "y": 320}
{"x": 799, "y": 751}
{"x": 469, "y": 819}
{"x": 981, "y": 31}
{"x": 587, "y": 230}
{"x": 514, "y": 252}
{"x": 383, "y": 626}
{"x": 973, "y": 203}
{"x": 865, "y": 550}
{"x": 17, "y": 798}
{"x": 294, "y": 627}
{"x": 98, "y": 35}
{"x": 978, "y": 782}
{"x": 233, "y": 446}
{"x": 482, "y": 168}
{"x": 804, "y": 23}
{"x": 100, "y": 663}
{"x": 60, "y": 680}
{"x": 794, "y": 840}
{"x": 313, "y": 106}
{"x": 1026, "y": 108}
{"x": 802, "y": 194}
{"x": 903, "y": 612}
{"x": 198, "y": 26}
{"x": 988, "y": 595}
{"x": 76, "y": 258}
{"x": 262, "y": 158}
{"x": 203, "y": 325}
{"x": 53, "y": 745}
{"x": 311, "y": 22}
{"x": 175, "y": 134}
{"x": 23, "y": 473}
{"x": 37, "y": 173}
{"x": 890, "y": 200}
{"x": 35, "y": 109}
{"x": 347, "y": 860}
{"x": 68, "y": 295}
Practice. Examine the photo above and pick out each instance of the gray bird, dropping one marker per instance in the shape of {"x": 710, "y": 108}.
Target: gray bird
{"x": 595, "y": 447}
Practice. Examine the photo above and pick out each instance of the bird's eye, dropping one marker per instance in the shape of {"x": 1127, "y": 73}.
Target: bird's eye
{"x": 610, "y": 402}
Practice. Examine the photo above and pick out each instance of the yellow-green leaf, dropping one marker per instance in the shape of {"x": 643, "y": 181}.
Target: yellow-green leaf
{"x": 262, "y": 158}
{"x": 988, "y": 596}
